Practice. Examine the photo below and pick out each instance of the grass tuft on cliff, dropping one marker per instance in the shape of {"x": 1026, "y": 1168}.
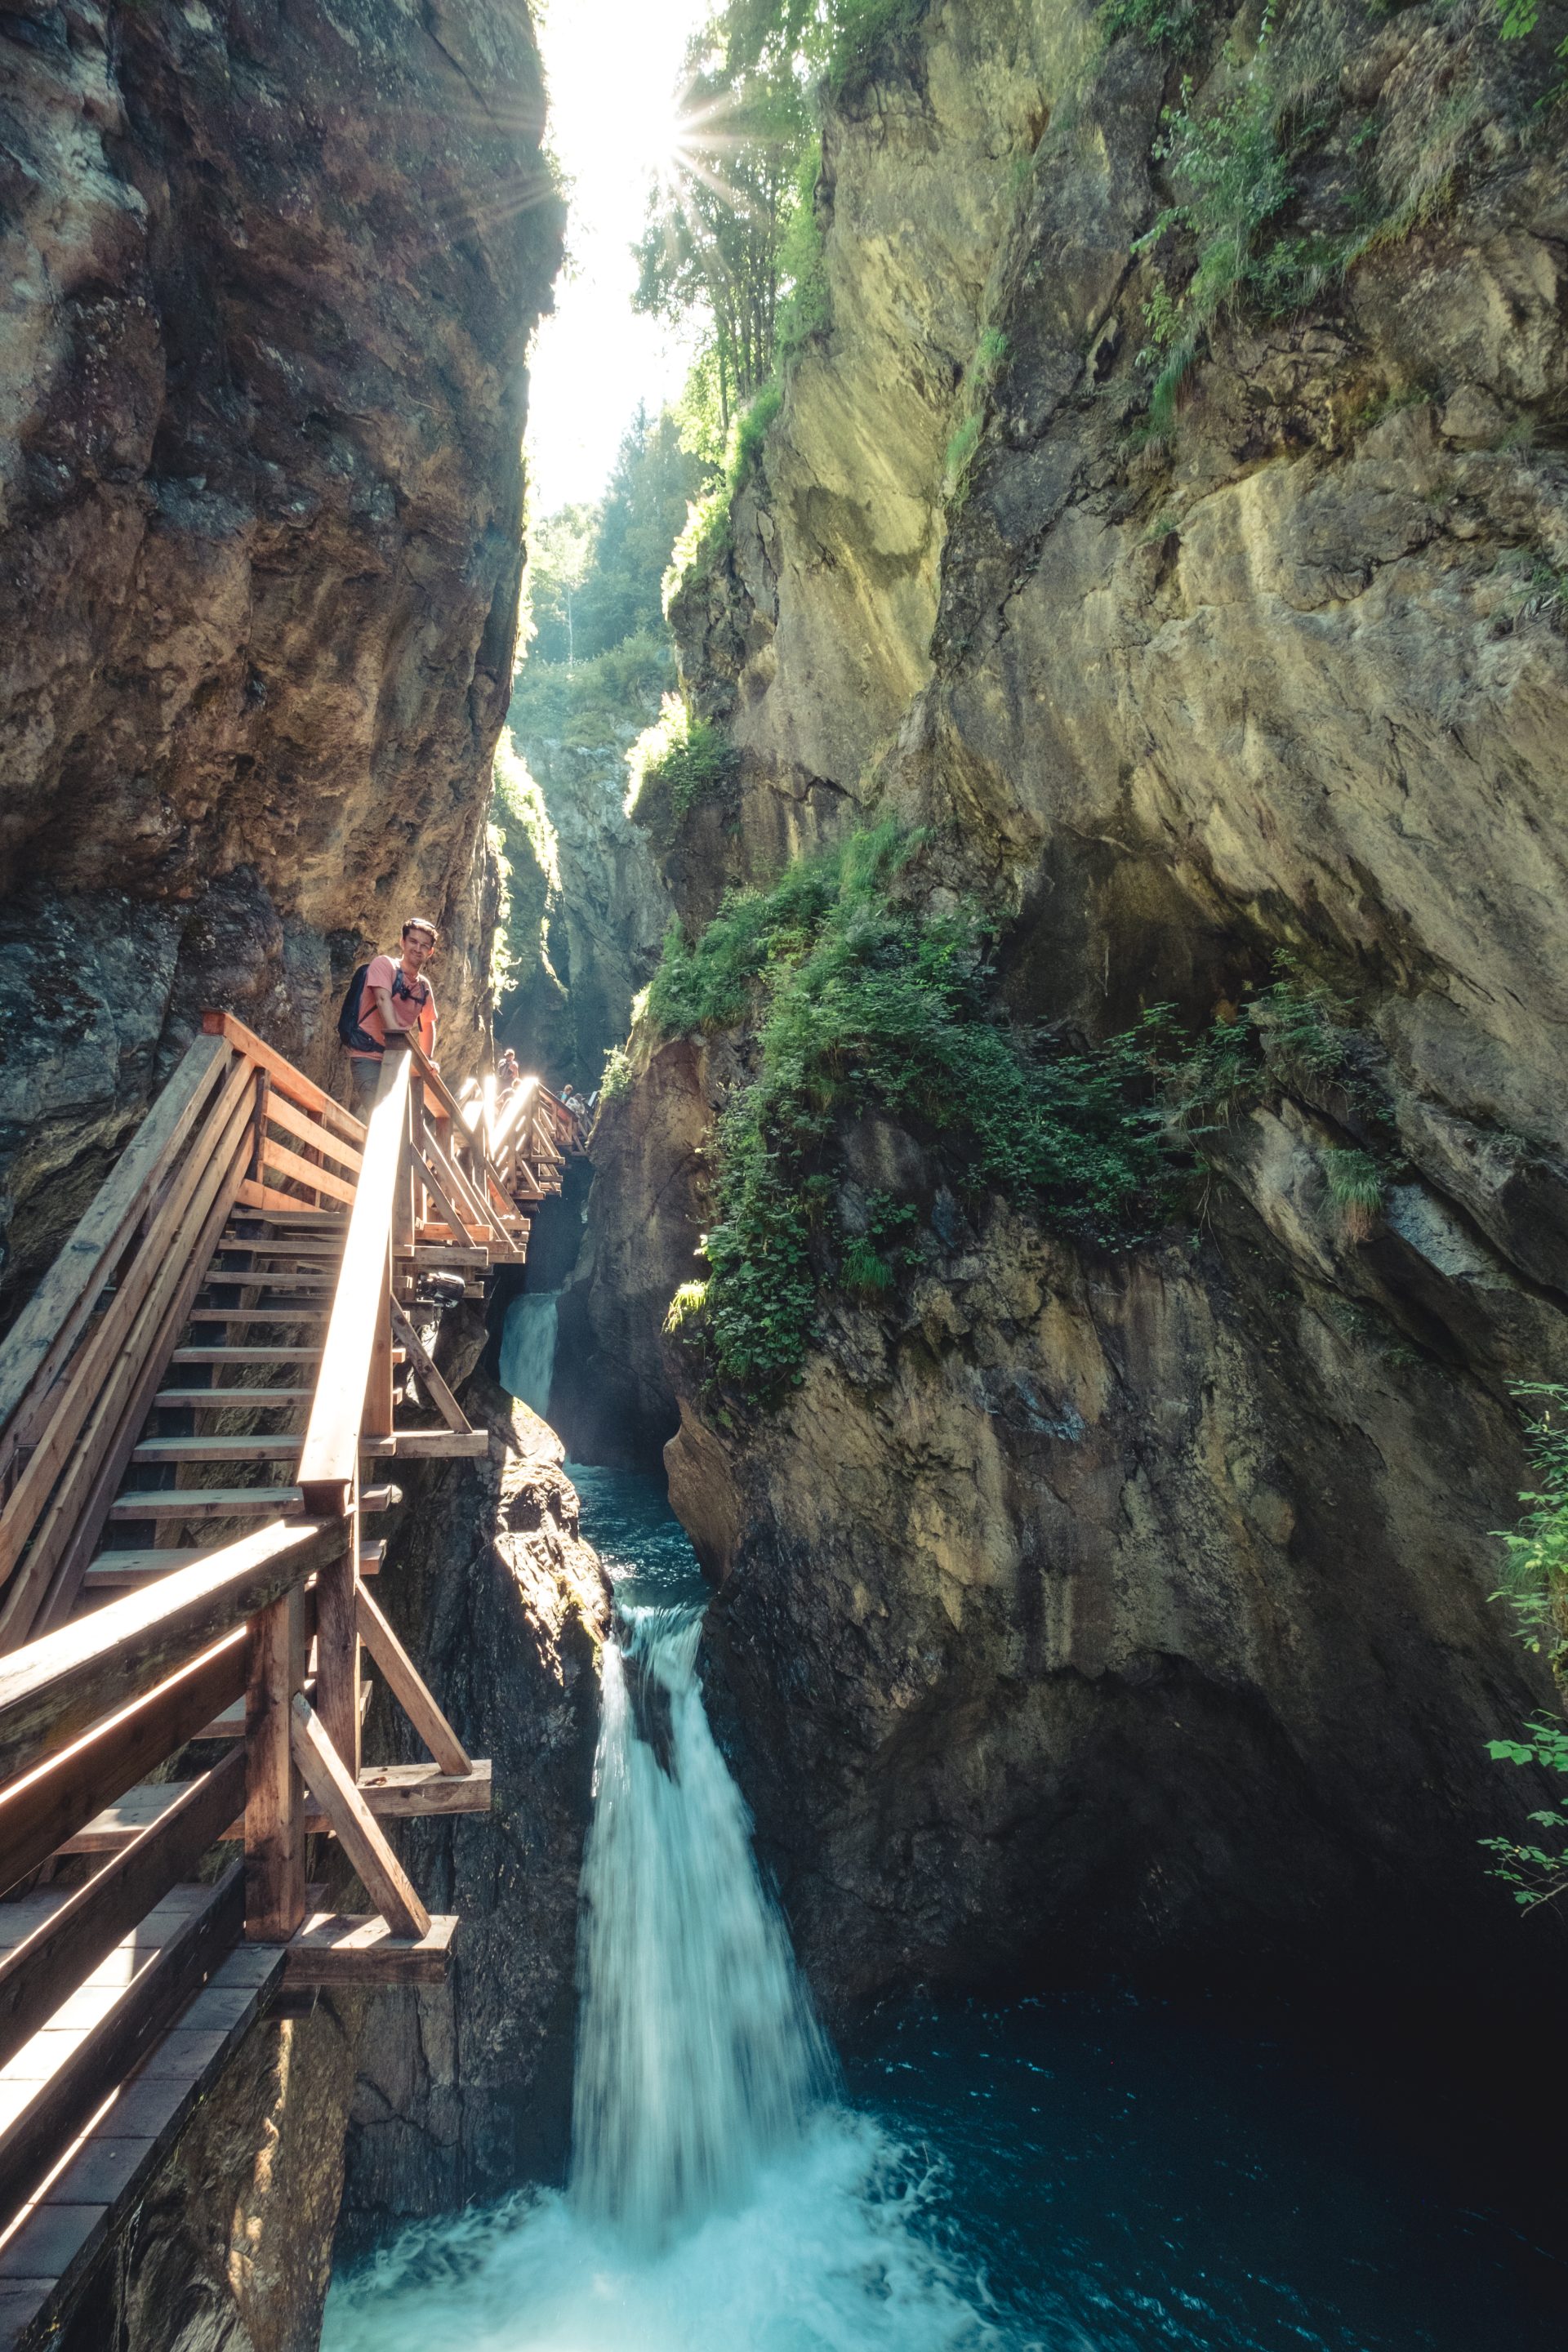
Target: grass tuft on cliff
{"x": 676, "y": 764}
{"x": 863, "y": 998}
{"x": 1535, "y": 1580}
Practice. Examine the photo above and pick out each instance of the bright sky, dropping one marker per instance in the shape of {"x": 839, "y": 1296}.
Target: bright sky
{"x": 614, "y": 67}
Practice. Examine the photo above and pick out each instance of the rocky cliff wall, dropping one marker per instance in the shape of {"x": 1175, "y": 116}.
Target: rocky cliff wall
{"x": 270, "y": 273}
{"x": 1083, "y": 1608}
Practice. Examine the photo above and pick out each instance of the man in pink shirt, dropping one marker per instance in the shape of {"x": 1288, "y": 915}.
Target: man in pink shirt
{"x": 396, "y": 996}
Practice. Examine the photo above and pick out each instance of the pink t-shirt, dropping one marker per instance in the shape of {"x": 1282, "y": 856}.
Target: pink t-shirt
{"x": 408, "y": 1007}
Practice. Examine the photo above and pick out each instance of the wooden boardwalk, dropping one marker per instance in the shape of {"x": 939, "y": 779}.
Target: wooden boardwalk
{"x": 202, "y": 1404}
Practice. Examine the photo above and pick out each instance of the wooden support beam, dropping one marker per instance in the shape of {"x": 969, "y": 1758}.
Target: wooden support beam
{"x": 274, "y": 1795}
{"x": 335, "y": 1951}
{"x": 393, "y": 1792}
{"x": 441, "y": 1445}
{"x": 66, "y": 1948}
{"x": 430, "y": 1379}
{"x": 289, "y": 1081}
{"x": 407, "y": 1688}
{"x": 381, "y": 1873}
{"x": 40, "y": 1811}
{"x": 337, "y": 1649}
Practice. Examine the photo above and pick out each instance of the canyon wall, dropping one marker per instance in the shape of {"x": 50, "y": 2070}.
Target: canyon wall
{"x": 270, "y": 274}
{"x": 1083, "y": 1608}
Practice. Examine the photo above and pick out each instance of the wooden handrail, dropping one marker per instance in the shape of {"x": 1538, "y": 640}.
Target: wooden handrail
{"x": 61, "y": 1684}
{"x": 329, "y": 1463}
{"x": 284, "y": 1076}
{"x": 43, "y": 1335}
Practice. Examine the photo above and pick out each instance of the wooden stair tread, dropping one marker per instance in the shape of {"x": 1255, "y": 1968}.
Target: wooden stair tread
{"x": 235, "y": 1399}
{"x": 279, "y": 1311}
{"x": 337, "y": 1948}
{"x": 228, "y": 1502}
{"x": 245, "y": 1356}
{"x": 240, "y": 1445}
{"x": 123, "y": 1570}
{"x": 249, "y": 1277}
{"x": 393, "y": 1792}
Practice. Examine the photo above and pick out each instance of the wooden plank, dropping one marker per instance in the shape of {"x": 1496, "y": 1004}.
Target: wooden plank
{"x": 208, "y": 1503}
{"x": 247, "y": 1355}
{"x": 254, "y": 1195}
{"x": 59, "y": 1686}
{"x": 65, "y": 1949}
{"x": 274, "y": 1794}
{"x": 235, "y": 1399}
{"x": 344, "y": 1155}
{"x": 41, "y": 1810}
{"x": 449, "y": 1196}
{"x": 438, "y": 1259}
{"x": 441, "y": 1445}
{"x": 381, "y": 1873}
{"x": 430, "y": 1379}
{"x": 336, "y": 1950}
{"x": 284, "y": 1076}
{"x": 49, "y": 1325}
{"x": 393, "y": 1792}
{"x": 281, "y": 1161}
{"x": 102, "y": 1359}
{"x": 278, "y": 1312}
{"x": 124, "y": 1571}
{"x": 407, "y": 1688}
{"x": 67, "y": 1534}
{"x": 120, "y": 2040}
{"x": 312, "y": 1283}
{"x": 240, "y": 1445}
{"x": 337, "y": 1652}
{"x": 329, "y": 1463}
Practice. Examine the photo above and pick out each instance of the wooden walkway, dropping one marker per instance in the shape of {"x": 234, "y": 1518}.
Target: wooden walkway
{"x": 202, "y": 1411}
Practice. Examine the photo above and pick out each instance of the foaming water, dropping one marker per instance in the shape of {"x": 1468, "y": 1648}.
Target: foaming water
{"x": 698, "y": 2058}
{"x": 1055, "y": 2176}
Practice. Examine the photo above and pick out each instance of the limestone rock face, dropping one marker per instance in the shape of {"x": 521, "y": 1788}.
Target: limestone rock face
{"x": 464, "y": 2090}
{"x": 268, "y": 274}
{"x": 1132, "y": 1609}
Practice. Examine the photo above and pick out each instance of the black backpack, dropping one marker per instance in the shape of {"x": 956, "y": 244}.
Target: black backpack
{"x": 348, "y": 1030}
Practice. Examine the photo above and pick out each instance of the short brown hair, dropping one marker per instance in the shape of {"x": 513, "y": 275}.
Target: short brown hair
{"x": 420, "y": 923}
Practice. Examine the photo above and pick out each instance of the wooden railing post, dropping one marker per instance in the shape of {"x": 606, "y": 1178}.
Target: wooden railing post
{"x": 274, "y": 1793}
{"x": 338, "y": 1648}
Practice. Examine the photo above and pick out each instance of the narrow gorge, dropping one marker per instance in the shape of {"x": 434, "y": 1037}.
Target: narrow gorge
{"x": 1012, "y": 1585}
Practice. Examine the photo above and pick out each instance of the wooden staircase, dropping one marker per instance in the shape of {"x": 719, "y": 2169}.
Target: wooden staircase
{"x": 206, "y": 1399}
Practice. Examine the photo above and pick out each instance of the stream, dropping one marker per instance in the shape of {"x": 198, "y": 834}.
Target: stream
{"x": 1074, "y": 2173}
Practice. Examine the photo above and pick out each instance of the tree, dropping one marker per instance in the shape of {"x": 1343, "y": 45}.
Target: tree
{"x": 560, "y": 551}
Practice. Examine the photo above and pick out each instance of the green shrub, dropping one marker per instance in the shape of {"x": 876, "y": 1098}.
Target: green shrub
{"x": 616, "y": 1078}
{"x": 706, "y": 539}
{"x": 1173, "y": 25}
{"x": 1535, "y": 1580}
{"x": 864, "y": 998}
{"x": 979, "y": 379}
{"x": 681, "y": 759}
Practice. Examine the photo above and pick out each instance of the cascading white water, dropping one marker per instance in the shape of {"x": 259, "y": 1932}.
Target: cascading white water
{"x": 698, "y": 2058}
{"x": 528, "y": 1347}
{"x": 720, "y": 2199}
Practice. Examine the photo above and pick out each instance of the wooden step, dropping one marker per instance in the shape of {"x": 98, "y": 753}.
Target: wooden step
{"x": 227, "y": 1400}
{"x": 441, "y": 1445}
{"x": 337, "y": 1949}
{"x": 244, "y": 1445}
{"x": 276, "y": 1313}
{"x": 259, "y": 1356}
{"x": 393, "y": 1792}
{"x": 231, "y": 1502}
{"x": 245, "y": 1356}
{"x": 126, "y": 1571}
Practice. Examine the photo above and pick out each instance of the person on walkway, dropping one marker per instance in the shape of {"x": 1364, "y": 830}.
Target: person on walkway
{"x": 396, "y": 996}
{"x": 508, "y": 1075}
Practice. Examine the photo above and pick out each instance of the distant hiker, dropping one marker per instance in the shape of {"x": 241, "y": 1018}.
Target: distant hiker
{"x": 388, "y": 996}
{"x": 509, "y": 1075}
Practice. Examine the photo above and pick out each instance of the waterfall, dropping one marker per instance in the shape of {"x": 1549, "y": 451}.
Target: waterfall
{"x": 528, "y": 1347}
{"x": 722, "y": 2198}
{"x": 699, "y": 2057}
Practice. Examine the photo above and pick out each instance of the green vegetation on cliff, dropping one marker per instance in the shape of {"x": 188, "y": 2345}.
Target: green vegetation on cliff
{"x": 1536, "y": 1579}
{"x": 866, "y": 1000}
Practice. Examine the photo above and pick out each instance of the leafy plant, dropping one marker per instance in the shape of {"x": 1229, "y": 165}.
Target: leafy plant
{"x": 1535, "y": 1582}
{"x": 863, "y": 998}
{"x": 615, "y": 1079}
{"x": 683, "y": 758}
{"x": 1518, "y": 19}
{"x": 1174, "y": 24}
{"x": 979, "y": 378}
